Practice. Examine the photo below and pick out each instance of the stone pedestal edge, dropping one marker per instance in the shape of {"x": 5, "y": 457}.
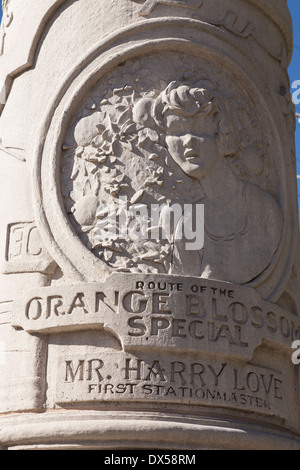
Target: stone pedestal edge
{"x": 71, "y": 430}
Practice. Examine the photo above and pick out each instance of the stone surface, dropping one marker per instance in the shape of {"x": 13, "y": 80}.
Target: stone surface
{"x": 149, "y": 285}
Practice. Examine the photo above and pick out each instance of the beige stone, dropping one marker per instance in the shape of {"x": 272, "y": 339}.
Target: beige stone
{"x": 149, "y": 277}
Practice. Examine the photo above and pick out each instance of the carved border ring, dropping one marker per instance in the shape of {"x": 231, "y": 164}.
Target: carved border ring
{"x": 75, "y": 260}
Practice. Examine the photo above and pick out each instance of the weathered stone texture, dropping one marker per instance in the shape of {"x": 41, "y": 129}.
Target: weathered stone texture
{"x": 119, "y": 119}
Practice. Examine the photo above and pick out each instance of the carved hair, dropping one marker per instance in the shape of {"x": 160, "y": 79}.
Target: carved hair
{"x": 183, "y": 100}
{"x": 188, "y": 100}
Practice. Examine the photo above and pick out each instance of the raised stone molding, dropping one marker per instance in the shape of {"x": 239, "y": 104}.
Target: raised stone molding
{"x": 124, "y": 430}
{"x": 20, "y": 59}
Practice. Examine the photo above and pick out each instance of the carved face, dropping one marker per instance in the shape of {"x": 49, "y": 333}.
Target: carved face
{"x": 193, "y": 143}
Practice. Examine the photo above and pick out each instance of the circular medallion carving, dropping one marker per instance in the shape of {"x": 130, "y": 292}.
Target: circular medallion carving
{"x": 156, "y": 137}
{"x": 146, "y": 133}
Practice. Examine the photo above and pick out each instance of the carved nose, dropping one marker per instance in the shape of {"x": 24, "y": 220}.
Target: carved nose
{"x": 188, "y": 141}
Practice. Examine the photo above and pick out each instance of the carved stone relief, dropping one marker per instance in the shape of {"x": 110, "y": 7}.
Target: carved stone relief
{"x": 149, "y": 5}
{"x": 226, "y": 18}
{"x": 157, "y": 134}
{"x": 161, "y": 339}
{"x": 181, "y": 382}
{"x": 189, "y": 136}
{"x": 25, "y": 251}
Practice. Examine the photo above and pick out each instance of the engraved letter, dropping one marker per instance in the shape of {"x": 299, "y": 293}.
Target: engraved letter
{"x": 70, "y": 372}
{"x": 36, "y": 305}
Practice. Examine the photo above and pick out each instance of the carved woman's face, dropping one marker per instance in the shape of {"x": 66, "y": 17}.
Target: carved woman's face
{"x": 192, "y": 143}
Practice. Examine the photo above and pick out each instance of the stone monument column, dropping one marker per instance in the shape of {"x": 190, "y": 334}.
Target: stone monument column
{"x": 149, "y": 243}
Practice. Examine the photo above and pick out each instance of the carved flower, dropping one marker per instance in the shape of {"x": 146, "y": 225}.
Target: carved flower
{"x": 92, "y": 154}
{"x": 156, "y": 177}
{"x": 147, "y": 135}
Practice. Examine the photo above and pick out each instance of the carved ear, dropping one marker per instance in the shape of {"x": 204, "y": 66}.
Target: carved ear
{"x": 228, "y": 145}
{"x": 253, "y": 158}
{"x": 229, "y": 133}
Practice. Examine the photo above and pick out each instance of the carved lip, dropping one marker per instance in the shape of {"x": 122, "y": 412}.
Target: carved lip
{"x": 190, "y": 155}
